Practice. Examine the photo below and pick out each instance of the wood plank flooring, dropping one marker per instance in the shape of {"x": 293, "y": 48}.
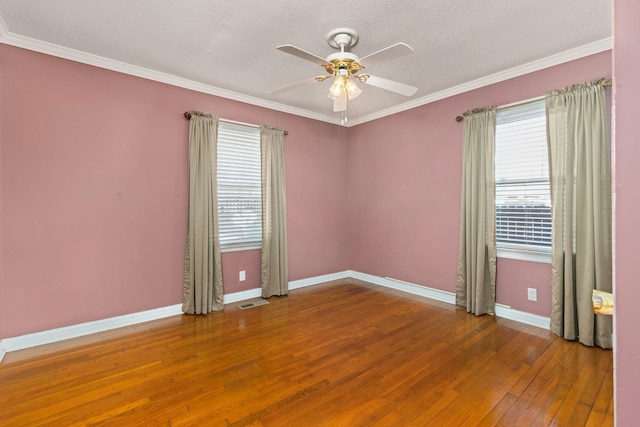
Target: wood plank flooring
{"x": 345, "y": 353}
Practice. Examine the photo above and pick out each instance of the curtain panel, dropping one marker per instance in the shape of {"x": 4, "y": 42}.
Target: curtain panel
{"x": 275, "y": 277}
{"x": 580, "y": 174}
{"x": 202, "y": 287}
{"x": 476, "y": 276}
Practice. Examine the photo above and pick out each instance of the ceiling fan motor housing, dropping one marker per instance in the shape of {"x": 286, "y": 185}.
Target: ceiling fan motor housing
{"x": 343, "y": 64}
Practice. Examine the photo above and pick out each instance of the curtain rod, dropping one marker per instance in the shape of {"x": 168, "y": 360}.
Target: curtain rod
{"x": 531, "y": 101}
{"x": 188, "y": 115}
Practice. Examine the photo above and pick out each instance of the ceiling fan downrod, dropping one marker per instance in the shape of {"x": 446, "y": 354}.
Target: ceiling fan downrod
{"x": 341, "y": 38}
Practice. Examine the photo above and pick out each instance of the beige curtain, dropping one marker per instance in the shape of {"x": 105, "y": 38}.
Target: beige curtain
{"x": 275, "y": 278}
{"x": 476, "y": 281}
{"x": 202, "y": 292}
{"x": 579, "y": 163}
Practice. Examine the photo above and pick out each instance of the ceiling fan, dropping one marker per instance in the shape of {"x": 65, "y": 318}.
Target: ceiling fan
{"x": 346, "y": 67}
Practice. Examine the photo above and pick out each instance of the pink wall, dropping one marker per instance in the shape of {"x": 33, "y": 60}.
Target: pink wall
{"x": 94, "y": 180}
{"x": 235, "y": 262}
{"x": 404, "y": 188}
{"x": 94, "y": 185}
{"x": 513, "y": 279}
{"x": 317, "y": 217}
{"x": 626, "y": 207}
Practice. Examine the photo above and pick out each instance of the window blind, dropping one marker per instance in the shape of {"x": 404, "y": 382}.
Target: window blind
{"x": 523, "y": 202}
{"x": 239, "y": 190}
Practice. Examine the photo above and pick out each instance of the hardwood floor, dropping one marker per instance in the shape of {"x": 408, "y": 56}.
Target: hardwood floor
{"x": 341, "y": 354}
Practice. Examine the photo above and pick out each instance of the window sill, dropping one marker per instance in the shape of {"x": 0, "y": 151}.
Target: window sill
{"x": 240, "y": 248}
{"x": 523, "y": 255}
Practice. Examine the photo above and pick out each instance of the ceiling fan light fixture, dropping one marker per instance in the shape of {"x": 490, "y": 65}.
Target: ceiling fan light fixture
{"x": 343, "y": 86}
{"x": 345, "y": 68}
{"x": 337, "y": 87}
{"x": 352, "y": 89}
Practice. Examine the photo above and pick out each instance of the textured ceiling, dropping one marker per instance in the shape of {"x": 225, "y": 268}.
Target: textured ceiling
{"x": 228, "y": 48}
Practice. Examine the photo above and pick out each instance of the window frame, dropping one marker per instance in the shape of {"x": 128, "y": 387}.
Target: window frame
{"x": 245, "y": 139}
{"x": 523, "y": 252}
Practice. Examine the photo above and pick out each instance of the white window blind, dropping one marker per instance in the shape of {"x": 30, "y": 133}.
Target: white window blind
{"x": 523, "y": 202}
{"x": 239, "y": 191}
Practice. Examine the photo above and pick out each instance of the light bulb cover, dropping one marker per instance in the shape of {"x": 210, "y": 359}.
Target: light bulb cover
{"x": 352, "y": 89}
{"x": 337, "y": 88}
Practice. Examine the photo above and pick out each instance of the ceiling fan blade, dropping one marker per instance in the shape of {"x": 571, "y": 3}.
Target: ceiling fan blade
{"x": 294, "y": 85}
{"x": 391, "y": 85}
{"x": 387, "y": 54}
{"x": 296, "y": 51}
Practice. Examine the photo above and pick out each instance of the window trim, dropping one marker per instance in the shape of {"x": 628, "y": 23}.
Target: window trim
{"x": 514, "y": 251}
{"x": 240, "y": 248}
{"x": 523, "y": 252}
{"x": 248, "y": 245}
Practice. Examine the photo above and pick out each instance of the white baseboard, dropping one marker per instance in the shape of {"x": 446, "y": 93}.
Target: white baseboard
{"x": 502, "y": 310}
{"x": 294, "y": 284}
{"x": 3, "y": 351}
{"x": 410, "y": 288}
{"x": 523, "y": 317}
{"x": 303, "y": 283}
{"x": 242, "y": 295}
{"x": 82, "y": 329}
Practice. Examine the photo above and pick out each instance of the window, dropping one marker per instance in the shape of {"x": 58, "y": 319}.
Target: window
{"x": 239, "y": 190}
{"x": 523, "y": 201}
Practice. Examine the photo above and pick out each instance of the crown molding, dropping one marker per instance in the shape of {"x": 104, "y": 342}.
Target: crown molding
{"x": 550, "y": 61}
{"x": 40, "y": 46}
{"x": 28, "y": 43}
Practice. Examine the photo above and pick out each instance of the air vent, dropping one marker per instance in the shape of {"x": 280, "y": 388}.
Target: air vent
{"x": 253, "y": 304}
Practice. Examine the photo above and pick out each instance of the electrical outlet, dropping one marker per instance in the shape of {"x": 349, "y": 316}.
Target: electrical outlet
{"x": 532, "y": 294}
{"x": 243, "y": 276}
